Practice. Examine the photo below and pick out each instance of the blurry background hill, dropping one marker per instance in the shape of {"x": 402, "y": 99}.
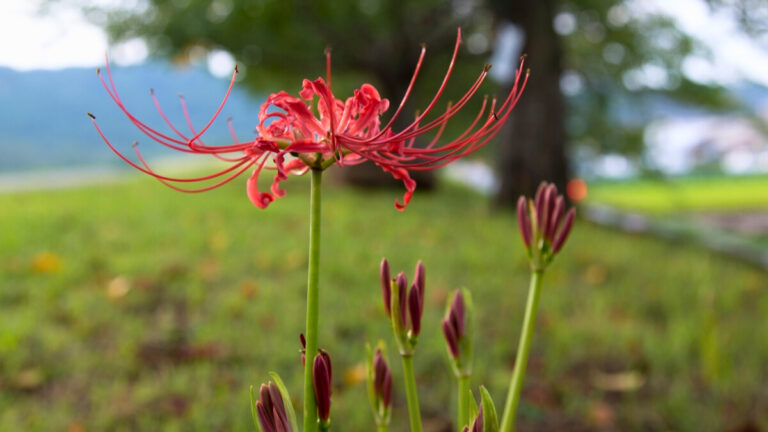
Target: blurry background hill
{"x": 43, "y": 121}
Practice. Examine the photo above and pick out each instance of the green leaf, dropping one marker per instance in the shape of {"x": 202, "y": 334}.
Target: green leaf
{"x": 490, "y": 419}
{"x": 473, "y": 409}
{"x": 286, "y": 400}
{"x": 370, "y": 377}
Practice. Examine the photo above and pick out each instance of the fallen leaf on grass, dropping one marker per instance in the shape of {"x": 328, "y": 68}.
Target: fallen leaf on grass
{"x": 595, "y": 274}
{"x": 75, "y": 426}
{"x": 118, "y": 287}
{"x": 602, "y": 415}
{"x": 354, "y": 375}
{"x": 626, "y": 381}
{"x": 46, "y": 262}
{"x": 249, "y": 288}
{"x": 28, "y": 379}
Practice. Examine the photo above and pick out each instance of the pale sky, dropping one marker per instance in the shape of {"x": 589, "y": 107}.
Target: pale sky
{"x": 65, "y": 39}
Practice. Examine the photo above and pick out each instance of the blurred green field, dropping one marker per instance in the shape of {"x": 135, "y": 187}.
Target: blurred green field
{"x": 719, "y": 193}
{"x": 132, "y": 307}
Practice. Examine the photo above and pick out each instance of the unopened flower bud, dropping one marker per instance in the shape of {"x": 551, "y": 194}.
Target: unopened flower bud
{"x": 567, "y": 225}
{"x": 539, "y": 202}
{"x": 416, "y": 302}
{"x": 451, "y": 338}
{"x": 453, "y": 324}
{"x": 420, "y": 276}
{"x": 402, "y": 287}
{"x": 382, "y": 383}
{"x": 477, "y": 425}
{"x": 322, "y": 376}
{"x": 555, "y": 219}
{"x": 456, "y": 331}
{"x": 379, "y": 385}
{"x": 386, "y": 285}
{"x": 524, "y": 221}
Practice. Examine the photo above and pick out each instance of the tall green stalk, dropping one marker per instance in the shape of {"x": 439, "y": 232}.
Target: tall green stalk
{"x": 411, "y": 394}
{"x": 463, "y": 418}
{"x": 310, "y": 405}
{"x": 523, "y": 349}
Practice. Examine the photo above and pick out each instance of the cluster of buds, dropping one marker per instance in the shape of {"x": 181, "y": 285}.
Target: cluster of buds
{"x": 543, "y": 227}
{"x": 322, "y": 377}
{"x": 273, "y": 411}
{"x": 404, "y": 307}
{"x": 379, "y": 386}
{"x": 456, "y": 329}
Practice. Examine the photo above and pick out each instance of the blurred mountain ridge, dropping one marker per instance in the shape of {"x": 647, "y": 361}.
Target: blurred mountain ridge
{"x": 43, "y": 120}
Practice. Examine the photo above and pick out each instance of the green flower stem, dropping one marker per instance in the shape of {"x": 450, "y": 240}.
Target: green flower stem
{"x": 523, "y": 349}
{"x": 310, "y": 405}
{"x": 463, "y": 401}
{"x": 411, "y": 394}
{"x": 382, "y": 428}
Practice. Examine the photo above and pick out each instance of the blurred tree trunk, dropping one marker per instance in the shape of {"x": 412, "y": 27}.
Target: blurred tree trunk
{"x": 533, "y": 140}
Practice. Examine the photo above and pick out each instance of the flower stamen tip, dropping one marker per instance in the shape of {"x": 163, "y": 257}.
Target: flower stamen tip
{"x": 93, "y": 117}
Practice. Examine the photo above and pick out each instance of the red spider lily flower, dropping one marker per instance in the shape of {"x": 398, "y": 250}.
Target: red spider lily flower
{"x": 292, "y": 139}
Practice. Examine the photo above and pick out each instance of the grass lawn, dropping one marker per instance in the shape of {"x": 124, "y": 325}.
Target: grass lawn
{"x": 718, "y": 193}
{"x": 132, "y": 307}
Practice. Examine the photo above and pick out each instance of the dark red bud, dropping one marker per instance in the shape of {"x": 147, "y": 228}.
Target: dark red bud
{"x": 382, "y": 381}
{"x": 419, "y": 277}
{"x": 303, "y": 341}
{"x": 523, "y": 221}
{"x": 265, "y": 418}
{"x": 451, "y": 338}
{"x": 322, "y": 374}
{"x": 281, "y": 423}
{"x": 265, "y": 398}
{"x": 549, "y": 202}
{"x": 457, "y": 310}
{"x": 415, "y": 304}
{"x": 386, "y": 285}
{"x": 477, "y": 425}
{"x": 555, "y": 218}
{"x": 402, "y": 287}
{"x": 386, "y": 389}
{"x": 277, "y": 402}
{"x": 539, "y": 203}
{"x": 564, "y": 231}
